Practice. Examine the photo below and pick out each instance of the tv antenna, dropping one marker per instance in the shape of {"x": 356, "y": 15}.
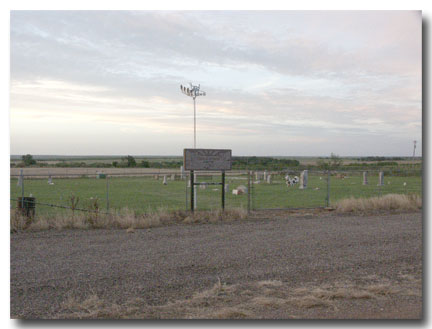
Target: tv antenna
{"x": 194, "y": 92}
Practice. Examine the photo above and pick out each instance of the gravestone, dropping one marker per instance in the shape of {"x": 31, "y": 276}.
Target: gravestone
{"x": 173, "y": 177}
{"x": 182, "y": 173}
{"x": 303, "y": 179}
{"x": 381, "y": 178}
{"x": 242, "y": 189}
{"x": 365, "y": 178}
{"x": 269, "y": 179}
{"x": 165, "y": 180}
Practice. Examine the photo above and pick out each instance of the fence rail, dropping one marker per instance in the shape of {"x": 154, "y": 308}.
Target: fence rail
{"x": 254, "y": 190}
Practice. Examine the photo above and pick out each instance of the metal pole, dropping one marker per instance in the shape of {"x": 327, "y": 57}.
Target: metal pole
{"x": 192, "y": 189}
{"x": 193, "y": 186}
{"x": 252, "y": 205}
{"x": 195, "y": 192}
{"x": 328, "y": 188}
{"x": 107, "y": 194}
{"x": 249, "y": 192}
{"x": 22, "y": 188}
{"x": 186, "y": 180}
{"x": 223, "y": 189}
{"x": 194, "y": 123}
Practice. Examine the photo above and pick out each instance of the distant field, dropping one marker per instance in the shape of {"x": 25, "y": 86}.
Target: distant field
{"x": 109, "y": 159}
{"x": 93, "y": 159}
{"x": 87, "y": 171}
{"x": 145, "y": 193}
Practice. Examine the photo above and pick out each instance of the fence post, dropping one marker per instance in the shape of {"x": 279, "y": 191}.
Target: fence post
{"x": 107, "y": 193}
{"x": 223, "y": 190}
{"x": 192, "y": 189}
{"x": 195, "y": 191}
{"x": 252, "y": 194}
{"x": 328, "y": 188}
{"x": 249, "y": 192}
{"x": 186, "y": 189}
{"x": 22, "y": 186}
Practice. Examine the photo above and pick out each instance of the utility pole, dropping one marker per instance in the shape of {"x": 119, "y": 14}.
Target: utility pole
{"x": 415, "y": 142}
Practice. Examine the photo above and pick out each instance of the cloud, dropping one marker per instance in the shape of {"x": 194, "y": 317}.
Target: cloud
{"x": 280, "y": 75}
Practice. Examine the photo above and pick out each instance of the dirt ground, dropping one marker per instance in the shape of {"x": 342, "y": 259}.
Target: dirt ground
{"x": 308, "y": 266}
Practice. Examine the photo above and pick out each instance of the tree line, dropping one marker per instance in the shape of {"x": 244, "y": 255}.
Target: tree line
{"x": 238, "y": 163}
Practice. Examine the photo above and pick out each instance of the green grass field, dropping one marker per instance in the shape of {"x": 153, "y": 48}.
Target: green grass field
{"x": 145, "y": 193}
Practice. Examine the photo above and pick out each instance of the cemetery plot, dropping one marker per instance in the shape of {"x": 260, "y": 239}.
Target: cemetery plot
{"x": 169, "y": 191}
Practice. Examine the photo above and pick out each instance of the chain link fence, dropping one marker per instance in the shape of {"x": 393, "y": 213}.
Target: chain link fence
{"x": 325, "y": 188}
{"x": 149, "y": 191}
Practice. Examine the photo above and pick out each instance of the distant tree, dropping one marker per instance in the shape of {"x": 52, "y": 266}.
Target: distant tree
{"x": 333, "y": 163}
{"x": 130, "y": 161}
{"x": 114, "y": 163}
{"x": 28, "y": 160}
{"x": 145, "y": 164}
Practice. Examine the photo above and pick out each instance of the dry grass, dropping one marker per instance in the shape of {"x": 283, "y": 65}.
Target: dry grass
{"x": 253, "y": 300}
{"x": 389, "y": 202}
{"x": 309, "y": 302}
{"x": 123, "y": 219}
{"x": 18, "y": 221}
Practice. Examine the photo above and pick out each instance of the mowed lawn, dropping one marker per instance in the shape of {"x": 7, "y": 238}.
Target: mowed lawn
{"x": 145, "y": 193}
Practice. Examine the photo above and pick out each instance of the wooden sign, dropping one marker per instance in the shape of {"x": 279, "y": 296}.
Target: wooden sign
{"x": 206, "y": 159}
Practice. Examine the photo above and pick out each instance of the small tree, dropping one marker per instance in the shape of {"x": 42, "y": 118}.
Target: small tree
{"x": 28, "y": 160}
{"x": 130, "y": 161}
{"x": 333, "y": 163}
{"x": 145, "y": 164}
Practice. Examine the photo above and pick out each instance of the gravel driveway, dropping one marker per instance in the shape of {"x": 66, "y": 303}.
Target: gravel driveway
{"x": 260, "y": 268}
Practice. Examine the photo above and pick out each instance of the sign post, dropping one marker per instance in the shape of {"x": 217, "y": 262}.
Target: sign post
{"x": 207, "y": 160}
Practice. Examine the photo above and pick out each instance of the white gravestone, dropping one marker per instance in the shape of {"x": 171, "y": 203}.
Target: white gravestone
{"x": 165, "y": 180}
{"x": 381, "y": 178}
{"x": 365, "y": 178}
{"x": 269, "y": 179}
{"x": 303, "y": 179}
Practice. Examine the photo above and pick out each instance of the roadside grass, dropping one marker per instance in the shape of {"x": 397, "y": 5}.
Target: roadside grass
{"x": 388, "y": 202}
{"x": 130, "y": 219}
{"x": 145, "y": 193}
{"x": 250, "y": 300}
{"x": 123, "y": 219}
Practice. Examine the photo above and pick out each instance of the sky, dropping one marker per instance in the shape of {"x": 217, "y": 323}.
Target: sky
{"x": 288, "y": 83}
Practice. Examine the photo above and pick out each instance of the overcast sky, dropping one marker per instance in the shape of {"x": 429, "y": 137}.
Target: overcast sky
{"x": 289, "y": 83}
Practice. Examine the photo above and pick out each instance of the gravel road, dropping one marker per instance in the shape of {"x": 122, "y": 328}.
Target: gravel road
{"x": 166, "y": 264}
